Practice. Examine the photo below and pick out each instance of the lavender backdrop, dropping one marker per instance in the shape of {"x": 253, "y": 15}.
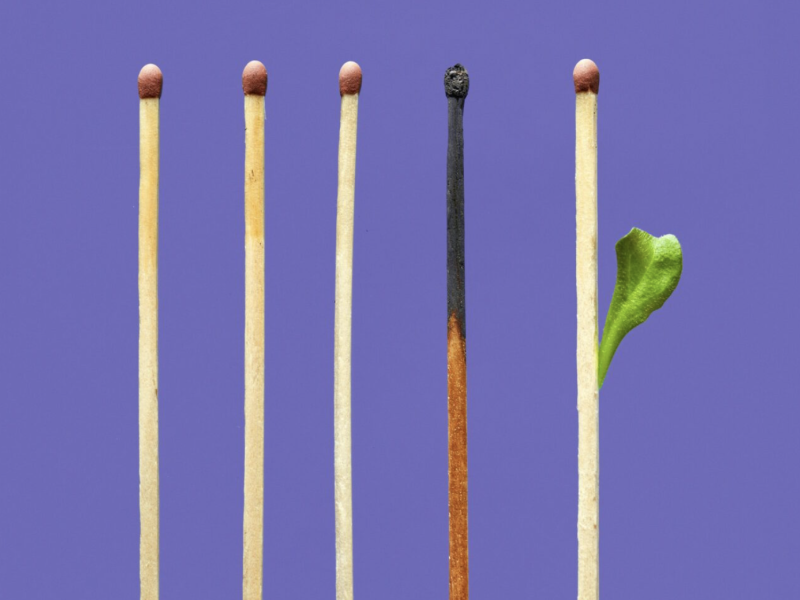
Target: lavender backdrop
{"x": 698, "y": 137}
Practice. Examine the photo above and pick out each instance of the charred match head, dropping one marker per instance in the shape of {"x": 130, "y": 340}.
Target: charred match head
{"x": 350, "y": 79}
{"x": 456, "y": 82}
{"x": 586, "y": 77}
{"x": 254, "y": 79}
{"x": 150, "y": 82}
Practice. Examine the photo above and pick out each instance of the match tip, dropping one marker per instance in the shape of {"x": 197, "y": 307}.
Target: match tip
{"x": 456, "y": 82}
{"x": 586, "y": 77}
{"x": 254, "y": 79}
{"x": 350, "y": 79}
{"x": 150, "y": 82}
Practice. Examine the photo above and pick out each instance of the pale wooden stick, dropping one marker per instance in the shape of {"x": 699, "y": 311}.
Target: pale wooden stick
{"x": 349, "y": 88}
{"x": 587, "y": 79}
{"x": 150, "y": 83}
{"x": 254, "y": 83}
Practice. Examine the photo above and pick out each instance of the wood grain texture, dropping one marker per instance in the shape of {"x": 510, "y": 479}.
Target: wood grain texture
{"x": 254, "y": 348}
{"x": 148, "y": 348}
{"x": 457, "y": 459}
{"x": 587, "y": 348}
{"x": 345, "y": 215}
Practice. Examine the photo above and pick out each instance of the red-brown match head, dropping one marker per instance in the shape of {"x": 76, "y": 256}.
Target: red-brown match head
{"x": 150, "y": 82}
{"x": 254, "y": 79}
{"x": 586, "y": 77}
{"x": 350, "y": 79}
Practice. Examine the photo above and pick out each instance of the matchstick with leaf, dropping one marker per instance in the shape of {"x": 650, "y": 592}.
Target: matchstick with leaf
{"x": 648, "y": 270}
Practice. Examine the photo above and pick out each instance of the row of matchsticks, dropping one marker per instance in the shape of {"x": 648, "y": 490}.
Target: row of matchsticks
{"x": 456, "y": 83}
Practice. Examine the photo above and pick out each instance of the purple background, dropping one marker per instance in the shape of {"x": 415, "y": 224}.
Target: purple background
{"x": 698, "y": 134}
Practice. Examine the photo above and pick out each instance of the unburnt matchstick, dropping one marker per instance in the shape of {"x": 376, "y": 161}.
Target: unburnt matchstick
{"x": 150, "y": 83}
{"x": 254, "y": 84}
{"x": 456, "y": 86}
{"x": 349, "y": 89}
{"x": 587, "y": 82}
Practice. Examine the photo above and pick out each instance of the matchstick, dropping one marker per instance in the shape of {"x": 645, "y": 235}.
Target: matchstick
{"x": 587, "y": 81}
{"x": 150, "y": 83}
{"x": 349, "y": 89}
{"x": 254, "y": 83}
{"x": 456, "y": 86}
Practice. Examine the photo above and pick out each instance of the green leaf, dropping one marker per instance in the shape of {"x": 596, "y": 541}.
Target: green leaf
{"x": 648, "y": 270}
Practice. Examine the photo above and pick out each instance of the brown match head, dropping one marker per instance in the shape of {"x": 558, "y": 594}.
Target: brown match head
{"x": 150, "y": 82}
{"x": 254, "y": 79}
{"x": 350, "y": 79}
{"x": 586, "y": 77}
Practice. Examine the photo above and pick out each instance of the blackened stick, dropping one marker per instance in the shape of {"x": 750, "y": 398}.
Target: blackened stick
{"x": 456, "y": 86}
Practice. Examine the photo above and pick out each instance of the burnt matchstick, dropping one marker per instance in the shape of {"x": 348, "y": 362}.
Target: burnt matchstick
{"x": 150, "y": 83}
{"x": 349, "y": 89}
{"x": 587, "y": 82}
{"x": 254, "y": 84}
{"x": 456, "y": 86}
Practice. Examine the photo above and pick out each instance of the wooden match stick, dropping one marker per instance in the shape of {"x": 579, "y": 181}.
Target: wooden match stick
{"x": 587, "y": 82}
{"x": 456, "y": 87}
{"x": 349, "y": 89}
{"x": 254, "y": 83}
{"x": 150, "y": 83}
